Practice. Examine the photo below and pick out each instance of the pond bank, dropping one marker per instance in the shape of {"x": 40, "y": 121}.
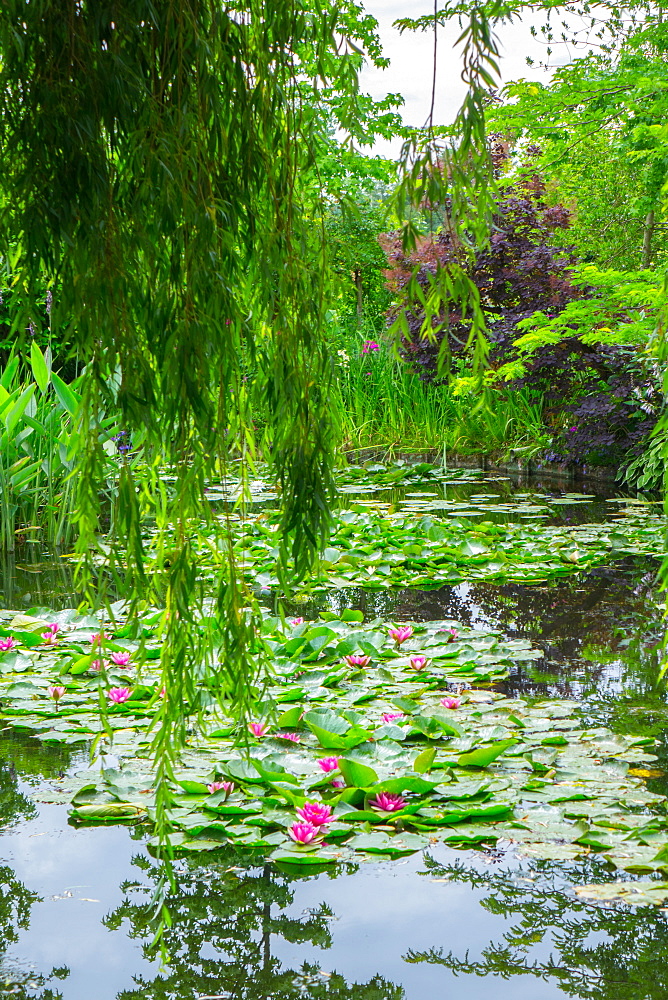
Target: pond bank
{"x": 526, "y": 471}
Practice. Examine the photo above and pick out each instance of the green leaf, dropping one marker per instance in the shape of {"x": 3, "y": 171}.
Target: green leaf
{"x": 19, "y": 408}
{"x": 496, "y": 811}
{"x": 303, "y": 858}
{"x": 39, "y": 367}
{"x": 7, "y": 376}
{"x": 408, "y": 783}
{"x": 27, "y": 638}
{"x": 81, "y": 665}
{"x": 290, "y": 719}
{"x": 242, "y": 770}
{"x": 406, "y": 704}
{"x": 112, "y": 811}
{"x": 28, "y": 623}
{"x": 485, "y": 755}
{"x": 633, "y": 893}
{"x": 356, "y": 774}
{"x": 433, "y": 726}
{"x": 424, "y": 761}
{"x": 68, "y": 399}
{"x": 193, "y": 787}
{"x": 328, "y": 721}
{"x": 273, "y": 772}
{"x": 354, "y": 737}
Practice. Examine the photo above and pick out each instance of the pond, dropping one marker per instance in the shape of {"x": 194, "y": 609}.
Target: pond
{"x": 75, "y": 914}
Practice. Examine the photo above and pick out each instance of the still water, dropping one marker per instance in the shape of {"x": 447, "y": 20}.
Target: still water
{"x": 452, "y": 925}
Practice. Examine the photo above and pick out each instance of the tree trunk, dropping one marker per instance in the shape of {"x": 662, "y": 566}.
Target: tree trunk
{"x": 358, "y": 289}
{"x": 648, "y": 232}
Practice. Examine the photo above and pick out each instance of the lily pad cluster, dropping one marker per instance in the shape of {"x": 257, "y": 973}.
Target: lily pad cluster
{"x": 354, "y": 479}
{"x": 370, "y": 740}
{"x": 403, "y": 551}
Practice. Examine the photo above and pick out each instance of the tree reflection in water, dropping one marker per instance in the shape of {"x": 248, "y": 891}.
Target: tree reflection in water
{"x": 16, "y": 900}
{"x": 597, "y": 952}
{"x": 220, "y": 941}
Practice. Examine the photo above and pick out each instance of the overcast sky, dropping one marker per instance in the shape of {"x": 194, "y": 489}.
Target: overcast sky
{"x": 410, "y": 70}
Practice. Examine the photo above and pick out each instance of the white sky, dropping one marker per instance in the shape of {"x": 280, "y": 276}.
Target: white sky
{"x": 411, "y": 67}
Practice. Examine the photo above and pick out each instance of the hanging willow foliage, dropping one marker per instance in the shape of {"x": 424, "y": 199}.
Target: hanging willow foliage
{"x": 158, "y": 162}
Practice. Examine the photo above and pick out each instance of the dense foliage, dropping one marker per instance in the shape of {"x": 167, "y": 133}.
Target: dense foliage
{"x": 601, "y": 397}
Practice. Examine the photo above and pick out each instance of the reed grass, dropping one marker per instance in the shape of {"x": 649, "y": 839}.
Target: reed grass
{"x": 383, "y": 404}
{"x": 38, "y": 448}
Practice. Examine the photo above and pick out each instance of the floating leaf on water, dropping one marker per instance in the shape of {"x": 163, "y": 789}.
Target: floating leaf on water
{"x": 633, "y": 893}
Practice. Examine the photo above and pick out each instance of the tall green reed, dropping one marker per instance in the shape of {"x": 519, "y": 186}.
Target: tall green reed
{"x": 383, "y": 404}
{"x": 38, "y": 448}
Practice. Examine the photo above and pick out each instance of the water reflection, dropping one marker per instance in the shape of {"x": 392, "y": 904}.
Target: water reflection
{"x": 461, "y": 922}
{"x": 16, "y": 899}
{"x": 599, "y": 631}
{"x": 451, "y": 924}
{"x": 593, "y": 952}
{"x": 35, "y": 576}
{"x": 226, "y": 919}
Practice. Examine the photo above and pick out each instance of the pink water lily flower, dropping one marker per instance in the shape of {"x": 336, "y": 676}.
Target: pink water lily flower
{"x": 98, "y": 637}
{"x": 293, "y": 737}
{"x": 387, "y": 802}
{"x": 391, "y": 716}
{"x": 315, "y": 813}
{"x": 296, "y": 621}
{"x": 451, "y": 633}
{"x": 418, "y": 662}
{"x": 221, "y": 786}
{"x": 451, "y": 701}
{"x": 328, "y": 764}
{"x": 258, "y": 728}
{"x": 337, "y": 783}
{"x": 118, "y": 695}
{"x": 120, "y": 659}
{"x": 7, "y": 644}
{"x": 51, "y": 635}
{"x": 400, "y": 633}
{"x": 96, "y": 666}
{"x": 357, "y": 660}
{"x": 56, "y": 692}
{"x": 303, "y": 833}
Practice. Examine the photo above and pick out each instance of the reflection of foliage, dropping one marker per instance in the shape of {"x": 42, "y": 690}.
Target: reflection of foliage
{"x": 38, "y": 574}
{"x": 16, "y": 901}
{"x": 29, "y": 756}
{"x": 226, "y": 909}
{"x": 14, "y": 805}
{"x": 605, "y": 615}
{"x": 596, "y": 953}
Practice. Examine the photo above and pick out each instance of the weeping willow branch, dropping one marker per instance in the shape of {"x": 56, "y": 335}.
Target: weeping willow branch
{"x": 453, "y": 170}
{"x": 157, "y": 163}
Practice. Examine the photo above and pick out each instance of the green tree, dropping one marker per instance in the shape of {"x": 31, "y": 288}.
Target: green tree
{"x": 357, "y": 257}
{"x": 601, "y": 124}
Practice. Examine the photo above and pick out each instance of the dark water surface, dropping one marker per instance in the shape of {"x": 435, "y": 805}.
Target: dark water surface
{"x": 449, "y": 925}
